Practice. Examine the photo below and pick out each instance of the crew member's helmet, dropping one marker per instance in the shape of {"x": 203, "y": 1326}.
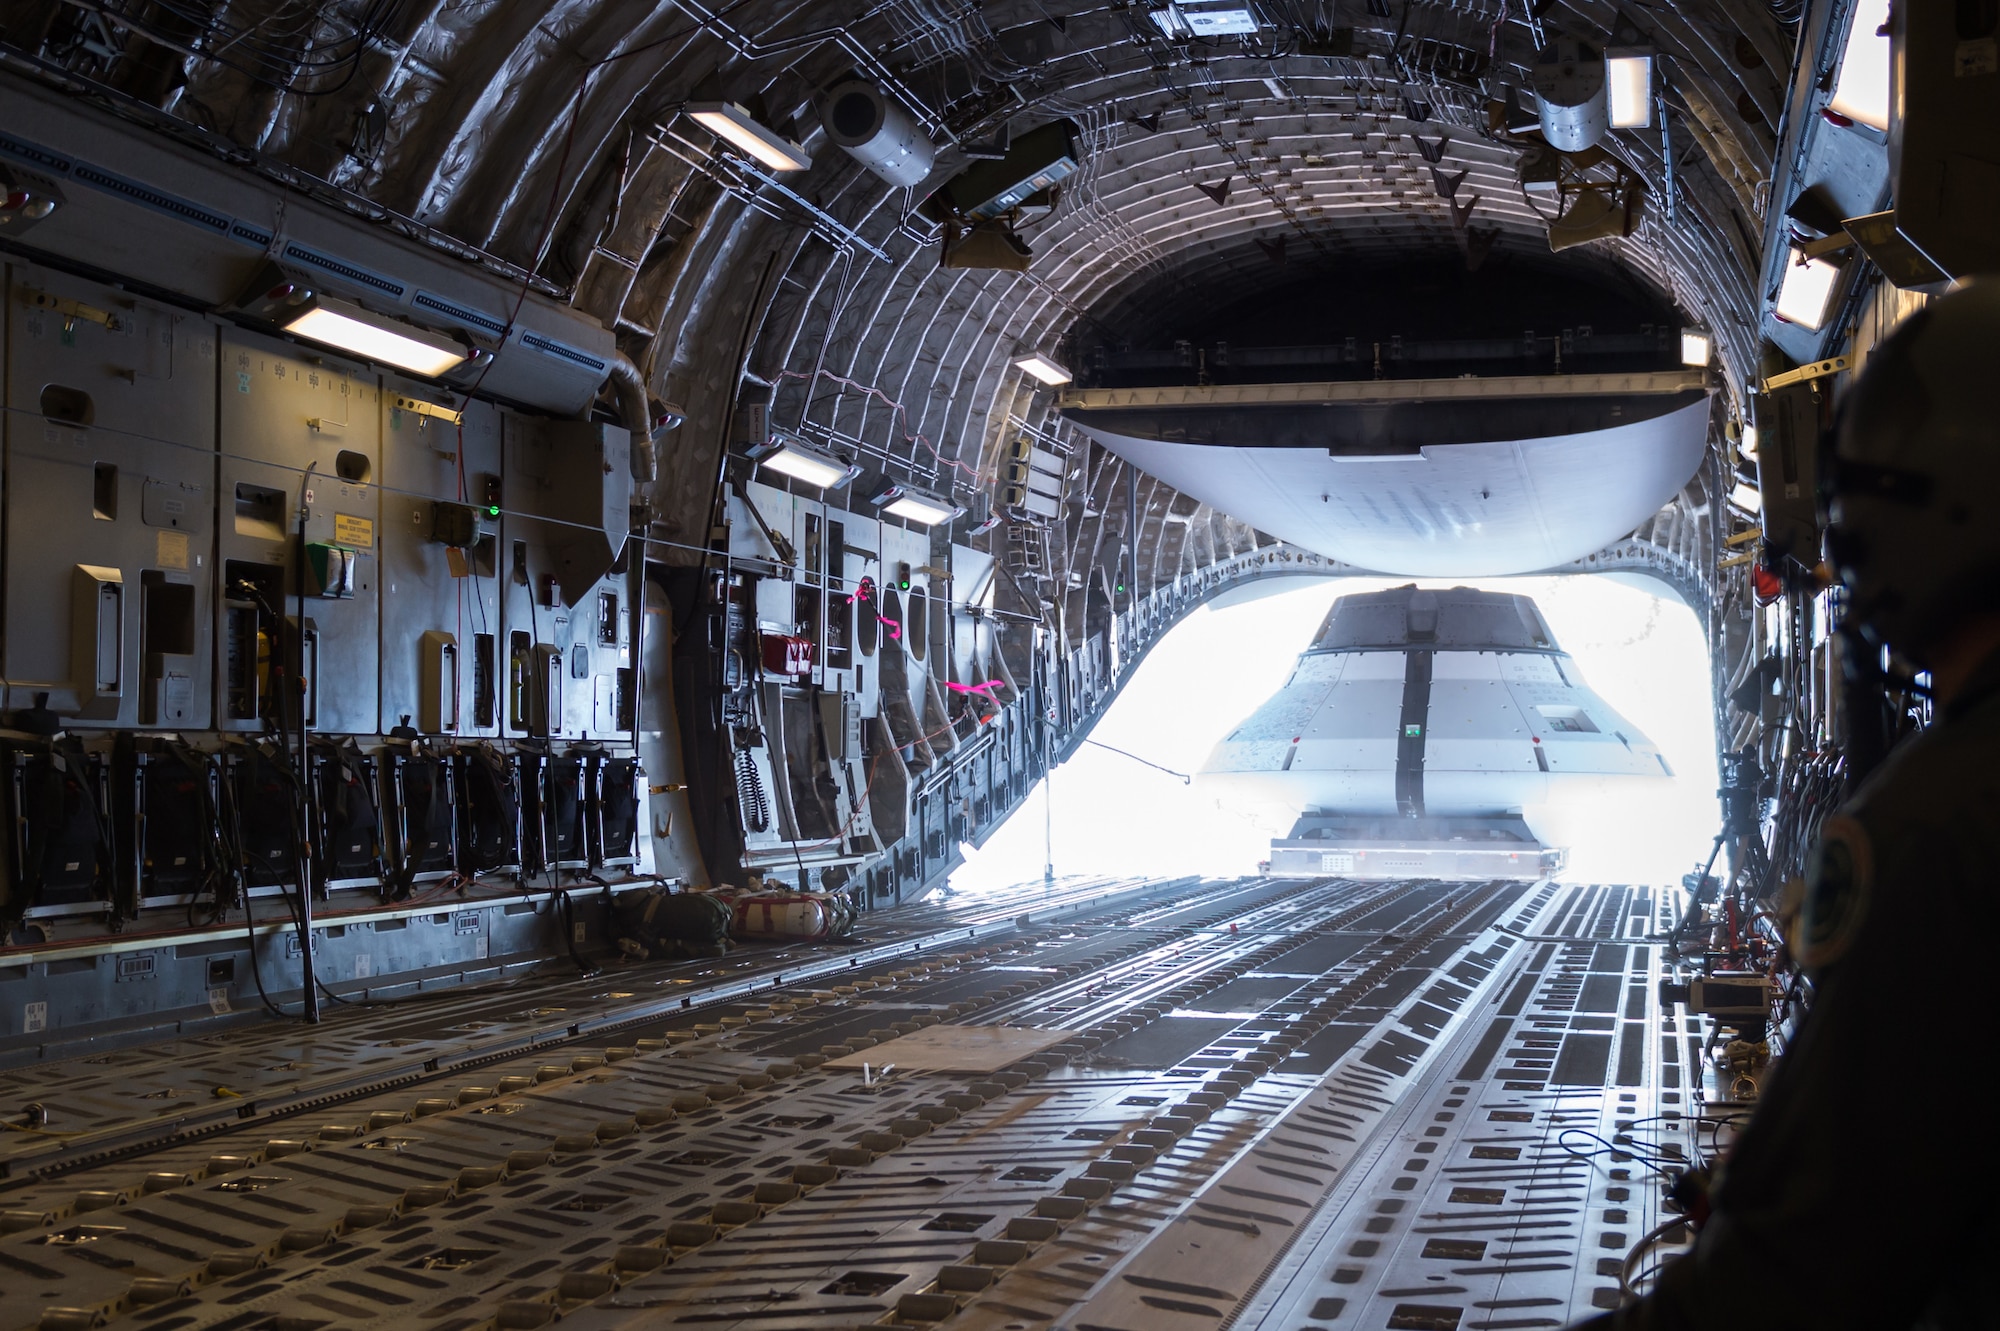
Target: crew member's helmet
{"x": 1913, "y": 486}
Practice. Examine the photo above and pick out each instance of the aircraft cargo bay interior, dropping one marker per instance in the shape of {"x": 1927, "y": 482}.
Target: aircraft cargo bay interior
{"x": 997, "y": 665}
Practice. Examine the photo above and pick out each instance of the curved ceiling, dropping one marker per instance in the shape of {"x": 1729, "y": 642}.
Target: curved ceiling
{"x": 1245, "y": 297}
{"x": 552, "y": 135}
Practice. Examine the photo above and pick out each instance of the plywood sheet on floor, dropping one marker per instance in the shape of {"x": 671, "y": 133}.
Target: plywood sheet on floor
{"x": 955, "y": 1049}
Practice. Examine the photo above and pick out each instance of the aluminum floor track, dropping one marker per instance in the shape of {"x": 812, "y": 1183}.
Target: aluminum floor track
{"x": 1269, "y": 1104}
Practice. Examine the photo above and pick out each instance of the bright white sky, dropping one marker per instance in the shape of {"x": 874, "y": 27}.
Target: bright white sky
{"x": 1642, "y": 652}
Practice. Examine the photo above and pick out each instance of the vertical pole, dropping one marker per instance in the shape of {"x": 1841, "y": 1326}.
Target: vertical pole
{"x": 1048, "y": 828}
{"x": 1131, "y": 537}
{"x": 1666, "y": 137}
{"x": 309, "y": 994}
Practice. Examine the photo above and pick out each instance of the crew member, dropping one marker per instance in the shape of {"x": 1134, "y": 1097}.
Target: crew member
{"x": 1861, "y": 1193}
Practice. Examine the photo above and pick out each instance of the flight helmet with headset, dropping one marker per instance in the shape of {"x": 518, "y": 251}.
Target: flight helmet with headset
{"x": 1912, "y": 486}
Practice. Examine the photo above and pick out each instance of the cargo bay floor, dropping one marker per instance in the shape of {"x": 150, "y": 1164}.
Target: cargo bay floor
{"x": 1254, "y": 1103}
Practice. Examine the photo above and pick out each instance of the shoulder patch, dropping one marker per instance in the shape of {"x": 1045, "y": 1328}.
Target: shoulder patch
{"x": 1839, "y": 882}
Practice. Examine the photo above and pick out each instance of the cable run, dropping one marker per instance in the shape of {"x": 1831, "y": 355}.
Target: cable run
{"x": 1186, "y": 779}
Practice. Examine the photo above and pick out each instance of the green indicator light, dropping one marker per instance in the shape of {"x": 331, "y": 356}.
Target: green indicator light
{"x": 1413, "y": 732}
{"x": 493, "y": 510}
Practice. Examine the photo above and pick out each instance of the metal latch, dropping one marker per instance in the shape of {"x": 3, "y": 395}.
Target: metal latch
{"x": 1819, "y": 369}
{"x": 418, "y": 407}
{"x": 73, "y": 310}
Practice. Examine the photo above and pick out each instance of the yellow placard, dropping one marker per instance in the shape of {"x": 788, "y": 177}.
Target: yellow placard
{"x": 172, "y": 551}
{"x": 357, "y": 532}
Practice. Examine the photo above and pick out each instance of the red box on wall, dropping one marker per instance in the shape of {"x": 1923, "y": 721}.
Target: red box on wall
{"x": 787, "y": 654}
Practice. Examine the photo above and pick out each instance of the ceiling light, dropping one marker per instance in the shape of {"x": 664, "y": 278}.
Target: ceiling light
{"x": 1043, "y": 368}
{"x": 1861, "y": 91}
{"x": 1695, "y": 347}
{"x": 1807, "y": 287}
{"x": 1748, "y": 446}
{"x": 1628, "y": 77}
{"x": 26, "y": 197}
{"x": 734, "y": 125}
{"x": 349, "y": 328}
{"x": 1746, "y": 498}
{"x": 1223, "y": 20}
{"x": 34, "y": 207}
{"x": 912, "y": 505}
{"x": 1204, "y": 18}
{"x": 292, "y": 302}
{"x": 790, "y": 456}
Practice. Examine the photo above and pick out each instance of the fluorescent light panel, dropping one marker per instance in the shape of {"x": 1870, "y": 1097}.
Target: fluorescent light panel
{"x": 791, "y": 458}
{"x": 1695, "y": 347}
{"x": 916, "y": 506}
{"x": 1628, "y": 80}
{"x": 1861, "y": 91}
{"x": 734, "y": 125}
{"x": 1746, "y": 498}
{"x": 927, "y": 511}
{"x": 350, "y": 328}
{"x": 1043, "y": 369}
{"x": 1808, "y": 285}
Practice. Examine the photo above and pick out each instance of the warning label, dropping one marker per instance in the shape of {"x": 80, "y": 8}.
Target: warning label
{"x": 357, "y": 532}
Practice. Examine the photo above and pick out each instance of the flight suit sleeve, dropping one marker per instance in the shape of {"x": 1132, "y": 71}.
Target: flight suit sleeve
{"x": 1834, "y": 1210}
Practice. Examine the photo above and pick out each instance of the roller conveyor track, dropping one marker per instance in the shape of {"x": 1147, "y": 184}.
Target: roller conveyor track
{"x": 249, "y": 1068}
{"x": 1241, "y": 1071}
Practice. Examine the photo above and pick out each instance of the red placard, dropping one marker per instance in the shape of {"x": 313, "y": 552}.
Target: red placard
{"x": 787, "y": 654}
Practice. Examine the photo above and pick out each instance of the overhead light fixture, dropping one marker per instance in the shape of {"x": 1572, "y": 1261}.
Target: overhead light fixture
{"x": 736, "y": 126}
{"x": 1695, "y": 347}
{"x": 1183, "y": 19}
{"x": 1044, "y": 369}
{"x": 1747, "y": 446}
{"x": 349, "y": 328}
{"x": 913, "y": 505}
{"x": 1628, "y": 76}
{"x": 1861, "y": 89}
{"x": 1747, "y": 498}
{"x": 26, "y": 197}
{"x": 791, "y": 456}
{"x": 290, "y": 301}
{"x": 1807, "y": 287}
{"x": 1218, "y": 20}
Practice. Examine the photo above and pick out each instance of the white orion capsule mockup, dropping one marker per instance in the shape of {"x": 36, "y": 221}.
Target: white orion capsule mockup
{"x": 1420, "y": 734}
